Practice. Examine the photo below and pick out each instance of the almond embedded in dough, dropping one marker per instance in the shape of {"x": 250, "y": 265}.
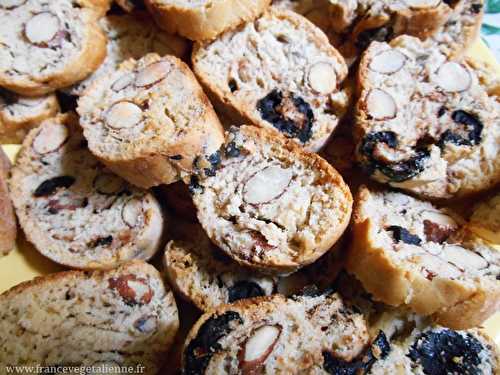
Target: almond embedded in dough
{"x": 453, "y": 77}
{"x": 380, "y": 105}
{"x": 266, "y": 185}
{"x": 387, "y": 62}
{"x": 322, "y": 78}
{"x": 49, "y": 139}
{"x": 123, "y": 115}
{"x": 41, "y": 28}
{"x": 152, "y": 74}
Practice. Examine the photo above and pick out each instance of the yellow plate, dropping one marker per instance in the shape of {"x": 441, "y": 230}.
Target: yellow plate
{"x": 24, "y": 262}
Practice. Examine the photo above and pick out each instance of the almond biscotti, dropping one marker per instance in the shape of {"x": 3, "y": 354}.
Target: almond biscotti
{"x": 278, "y": 72}
{"x": 8, "y": 226}
{"x": 149, "y": 121}
{"x": 19, "y": 114}
{"x": 73, "y": 209}
{"x": 201, "y": 20}
{"x": 107, "y": 319}
{"x": 424, "y": 123}
{"x": 131, "y": 36}
{"x": 268, "y": 203}
{"x": 407, "y": 252}
{"x": 269, "y": 335}
{"x": 48, "y": 45}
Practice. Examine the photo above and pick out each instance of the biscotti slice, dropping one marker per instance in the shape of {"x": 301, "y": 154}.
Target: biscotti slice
{"x": 19, "y": 114}
{"x": 131, "y": 36}
{"x": 269, "y": 204}
{"x": 48, "y": 45}
{"x": 424, "y": 123}
{"x": 406, "y": 252}
{"x": 107, "y": 319}
{"x": 74, "y": 210}
{"x": 203, "y": 19}
{"x": 278, "y": 72}
{"x": 8, "y": 227}
{"x": 149, "y": 120}
{"x": 269, "y": 335}
{"x": 206, "y": 276}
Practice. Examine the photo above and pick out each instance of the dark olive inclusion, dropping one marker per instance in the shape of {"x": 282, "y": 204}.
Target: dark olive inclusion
{"x": 402, "y": 234}
{"x": 471, "y": 136}
{"x": 50, "y": 186}
{"x": 244, "y": 289}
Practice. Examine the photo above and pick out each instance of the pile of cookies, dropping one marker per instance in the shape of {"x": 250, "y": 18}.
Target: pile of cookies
{"x": 240, "y": 187}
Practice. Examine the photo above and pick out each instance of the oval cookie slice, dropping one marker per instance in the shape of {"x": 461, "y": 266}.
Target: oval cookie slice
{"x": 73, "y": 209}
{"x": 107, "y": 319}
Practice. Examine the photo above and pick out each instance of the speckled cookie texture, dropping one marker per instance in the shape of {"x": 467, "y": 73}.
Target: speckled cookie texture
{"x": 204, "y": 19}
{"x": 278, "y": 72}
{"x": 406, "y": 252}
{"x": 149, "y": 121}
{"x": 120, "y": 317}
{"x": 269, "y": 204}
{"x": 131, "y": 36}
{"x": 48, "y": 45}
{"x": 424, "y": 123}
{"x": 19, "y": 114}
{"x": 8, "y": 226}
{"x": 269, "y": 335}
{"x": 73, "y": 209}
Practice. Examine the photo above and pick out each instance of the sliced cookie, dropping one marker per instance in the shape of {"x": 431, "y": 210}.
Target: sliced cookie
{"x": 278, "y": 72}
{"x": 269, "y": 335}
{"x": 48, "y": 45}
{"x": 424, "y": 123}
{"x": 149, "y": 120}
{"x": 74, "y": 210}
{"x": 8, "y": 227}
{"x": 131, "y": 36}
{"x": 203, "y": 19}
{"x": 406, "y": 252}
{"x": 269, "y": 204}
{"x": 123, "y": 317}
{"x": 19, "y": 114}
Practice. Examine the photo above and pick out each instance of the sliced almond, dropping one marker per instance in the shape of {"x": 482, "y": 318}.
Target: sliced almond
{"x": 257, "y": 348}
{"x": 123, "y": 115}
{"x": 380, "y": 105}
{"x": 420, "y": 4}
{"x": 463, "y": 258}
{"x": 108, "y": 184}
{"x": 152, "y": 74}
{"x": 322, "y": 78}
{"x": 438, "y": 218}
{"x": 267, "y": 185}
{"x": 435, "y": 266}
{"x": 387, "y": 62}
{"x": 132, "y": 289}
{"x": 132, "y": 212}
{"x": 50, "y": 138}
{"x": 10, "y": 4}
{"x": 123, "y": 82}
{"x": 453, "y": 77}
{"x": 41, "y": 28}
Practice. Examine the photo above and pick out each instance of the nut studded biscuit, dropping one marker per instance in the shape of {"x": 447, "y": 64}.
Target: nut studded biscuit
{"x": 425, "y": 124}
{"x": 203, "y": 19}
{"x": 121, "y": 317}
{"x": 18, "y": 114}
{"x": 48, "y": 45}
{"x": 205, "y": 275}
{"x": 74, "y": 210}
{"x": 8, "y": 227}
{"x": 131, "y": 36}
{"x": 278, "y": 72}
{"x": 269, "y": 335}
{"x": 149, "y": 120}
{"x": 269, "y": 204}
{"x": 408, "y": 253}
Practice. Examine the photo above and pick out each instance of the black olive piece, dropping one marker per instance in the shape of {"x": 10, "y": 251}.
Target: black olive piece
{"x": 371, "y": 140}
{"x": 441, "y": 111}
{"x": 194, "y": 185}
{"x": 67, "y": 102}
{"x": 438, "y": 351}
{"x": 49, "y": 187}
{"x": 232, "y": 85}
{"x": 214, "y": 161}
{"x": 380, "y": 34}
{"x": 244, "y": 289}
{"x": 232, "y": 150}
{"x": 8, "y": 97}
{"x": 363, "y": 363}
{"x": 201, "y": 349}
{"x": 101, "y": 241}
{"x": 268, "y": 107}
{"x": 402, "y": 234}
{"x": 473, "y": 128}
{"x": 175, "y": 157}
{"x": 476, "y": 8}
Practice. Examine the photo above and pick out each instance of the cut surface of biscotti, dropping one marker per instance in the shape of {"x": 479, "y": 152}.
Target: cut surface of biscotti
{"x": 122, "y": 317}
{"x": 131, "y": 36}
{"x": 406, "y": 252}
{"x": 424, "y": 123}
{"x": 278, "y": 72}
{"x": 149, "y": 120}
{"x": 8, "y": 226}
{"x": 269, "y": 335}
{"x": 203, "y": 19}
{"x": 48, "y": 45}
{"x": 269, "y": 204}
{"x": 73, "y": 209}
{"x": 19, "y": 114}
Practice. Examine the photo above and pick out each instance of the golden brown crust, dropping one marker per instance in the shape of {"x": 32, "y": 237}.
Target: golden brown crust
{"x": 8, "y": 227}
